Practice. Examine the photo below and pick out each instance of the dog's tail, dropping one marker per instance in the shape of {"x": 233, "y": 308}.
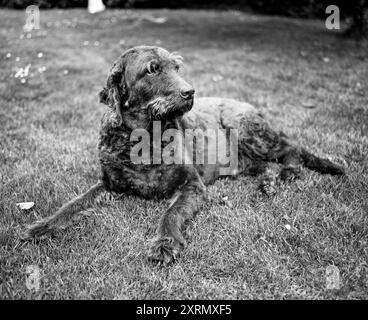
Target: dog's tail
{"x": 65, "y": 214}
{"x": 320, "y": 165}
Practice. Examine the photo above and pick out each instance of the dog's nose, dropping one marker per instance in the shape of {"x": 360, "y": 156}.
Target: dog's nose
{"x": 187, "y": 94}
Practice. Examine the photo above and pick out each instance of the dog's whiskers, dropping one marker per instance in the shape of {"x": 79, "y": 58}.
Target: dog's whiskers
{"x": 158, "y": 108}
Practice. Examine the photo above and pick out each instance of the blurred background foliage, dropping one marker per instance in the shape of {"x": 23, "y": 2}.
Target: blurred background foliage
{"x": 299, "y": 8}
{"x": 356, "y": 10}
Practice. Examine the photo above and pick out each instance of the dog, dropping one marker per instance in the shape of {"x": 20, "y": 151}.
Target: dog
{"x": 143, "y": 88}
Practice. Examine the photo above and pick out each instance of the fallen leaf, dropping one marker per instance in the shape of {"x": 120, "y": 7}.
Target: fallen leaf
{"x": 33, "y": 277}
{"x": 333, "y": 278}
{"x": 158, "y": 20}
{"x": 25, "y": 205}
{"x": 308, "y": 104}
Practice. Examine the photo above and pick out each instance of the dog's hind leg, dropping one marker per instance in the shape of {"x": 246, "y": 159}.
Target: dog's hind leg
{"x": 319, "y": 164}
{"x": 270, "y": 179}
{"x": 289, "y": 162}
{"x": 294, "y": 157}
{"x": 65, "y": 214}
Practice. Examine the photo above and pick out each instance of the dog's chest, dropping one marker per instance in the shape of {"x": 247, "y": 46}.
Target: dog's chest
{"x": 125, "y": 170}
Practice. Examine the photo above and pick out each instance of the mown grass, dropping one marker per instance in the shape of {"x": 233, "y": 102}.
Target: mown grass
{"x": 48, "y": 154}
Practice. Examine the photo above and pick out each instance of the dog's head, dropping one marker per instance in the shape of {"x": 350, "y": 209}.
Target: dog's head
{"x": 145, "y": 80}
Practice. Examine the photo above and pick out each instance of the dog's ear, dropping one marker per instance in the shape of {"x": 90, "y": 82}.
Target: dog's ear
{"x": 115, "y": 94}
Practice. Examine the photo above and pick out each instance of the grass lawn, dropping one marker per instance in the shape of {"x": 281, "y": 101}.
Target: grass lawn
{"x": 260, "y": 247}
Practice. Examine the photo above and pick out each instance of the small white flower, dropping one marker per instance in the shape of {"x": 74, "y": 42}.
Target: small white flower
{"x": 288, "y": 226}
{"x": 8, "y": 55}
{"x": 40, "y": 55}
{"x": 41, "y": 69}
{"x": 22, "y": 72}
{"x": 17, "y": 59}
{"x": 65, "y": 72}
{"x": 217, "y": 78}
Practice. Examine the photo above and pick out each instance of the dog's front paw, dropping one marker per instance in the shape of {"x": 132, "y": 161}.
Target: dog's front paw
{"x": 164, "y": 250}
{"x": 268, "y": 183}
{"x": 290, "y": 173}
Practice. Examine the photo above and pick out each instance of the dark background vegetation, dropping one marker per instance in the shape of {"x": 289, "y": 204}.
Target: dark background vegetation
{"x": 353, "y": 9}
{"x": 300, "y": 8}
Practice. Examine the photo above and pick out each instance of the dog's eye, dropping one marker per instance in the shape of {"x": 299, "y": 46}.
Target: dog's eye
{"x": 177, "y": 67}
{"x": 152, "y": 68}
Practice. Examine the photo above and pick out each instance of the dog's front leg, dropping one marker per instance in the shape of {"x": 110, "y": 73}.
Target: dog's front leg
{"x": 170, "y": 240}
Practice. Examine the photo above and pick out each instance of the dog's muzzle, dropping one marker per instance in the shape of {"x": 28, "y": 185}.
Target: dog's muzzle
{"x": 170, "y": 108}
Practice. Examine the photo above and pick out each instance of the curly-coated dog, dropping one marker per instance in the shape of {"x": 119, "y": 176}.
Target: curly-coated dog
{"x": 144, "y": 87}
